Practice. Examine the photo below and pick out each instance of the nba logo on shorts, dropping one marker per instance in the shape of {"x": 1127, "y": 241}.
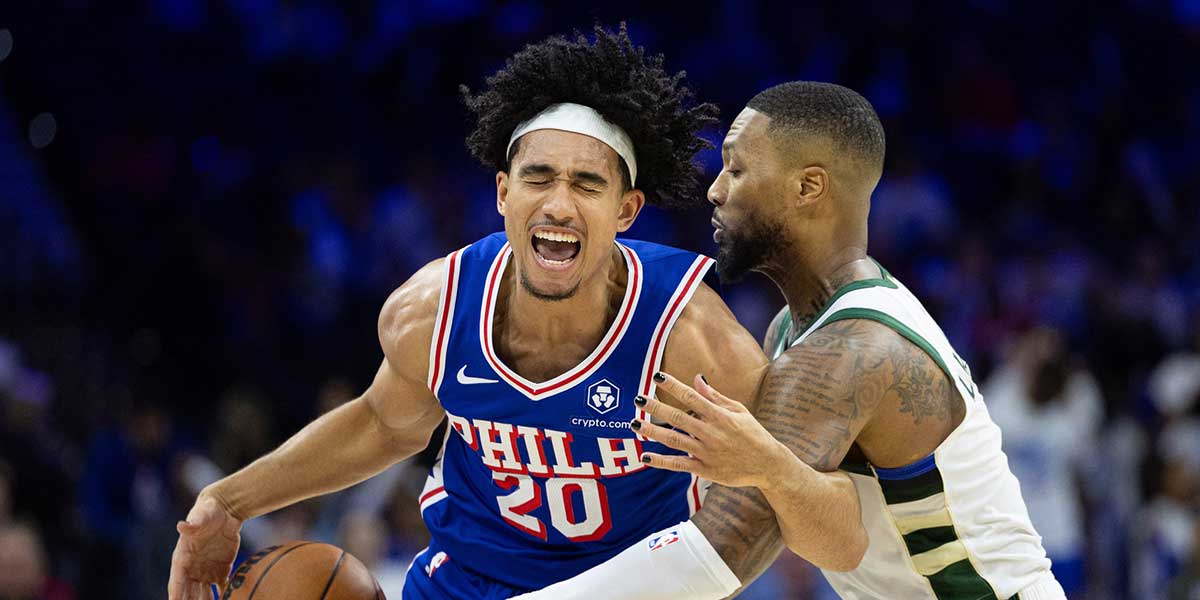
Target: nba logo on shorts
{"x": 438, "y": 560}
{"x": 603, "y": 396}
{"x": 664, "y": 539}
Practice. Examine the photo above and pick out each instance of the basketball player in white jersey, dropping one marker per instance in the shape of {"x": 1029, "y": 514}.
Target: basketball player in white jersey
{"x": 863, "y": 382}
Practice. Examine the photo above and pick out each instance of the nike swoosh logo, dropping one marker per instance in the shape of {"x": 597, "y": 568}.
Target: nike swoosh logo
{"x": 465, "y": 379}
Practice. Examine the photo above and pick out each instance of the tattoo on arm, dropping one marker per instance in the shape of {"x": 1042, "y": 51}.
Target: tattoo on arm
{"x": 820, "y": 394}
{"x": 922, "y": 388}
{"x": 741, "y": 526}
{"x": 815, "y": 399}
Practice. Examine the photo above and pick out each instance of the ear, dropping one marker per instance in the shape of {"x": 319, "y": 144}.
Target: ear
{"x": 631, "y": 205}
{"x": 501, "y": 192}
{"x": 811, "y": 184}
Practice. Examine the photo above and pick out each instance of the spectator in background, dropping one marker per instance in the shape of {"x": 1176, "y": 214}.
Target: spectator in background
{"x": 1167, "y": 545}
{"x": 1049, "y": 412}
{"x": 1164, "y": 536}
{"x": 1187, "y": 585}
{"x": 1153, "y": 296}
{"x": 128, "y": 493}
{"x": 41, "y": 462}
{"x": 1175, "y": 382}
{"x": 24, "y": 570}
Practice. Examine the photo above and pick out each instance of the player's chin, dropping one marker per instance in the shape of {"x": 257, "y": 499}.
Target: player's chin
{"x": 561, "y": 286}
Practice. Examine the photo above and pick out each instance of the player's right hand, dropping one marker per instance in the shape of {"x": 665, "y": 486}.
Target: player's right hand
{"x": 208, "y": 543}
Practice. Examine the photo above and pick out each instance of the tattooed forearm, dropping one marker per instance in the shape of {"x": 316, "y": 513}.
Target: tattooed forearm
{"x": 743, "y": 529}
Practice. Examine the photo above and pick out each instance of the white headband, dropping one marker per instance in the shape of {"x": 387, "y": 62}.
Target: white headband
{"x": 578, "y": 118}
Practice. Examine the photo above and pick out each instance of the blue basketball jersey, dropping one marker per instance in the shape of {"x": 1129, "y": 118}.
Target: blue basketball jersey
{"x": 537, "y": 482}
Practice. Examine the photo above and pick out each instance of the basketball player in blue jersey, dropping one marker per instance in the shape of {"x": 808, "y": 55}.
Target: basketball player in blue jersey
{"x": 533, "y": 344}
{"x": 863, "y": 382}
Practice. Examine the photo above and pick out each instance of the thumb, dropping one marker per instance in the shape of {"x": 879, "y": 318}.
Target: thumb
{"x": 186, "y": 528}
{"x": 197, "y": 519}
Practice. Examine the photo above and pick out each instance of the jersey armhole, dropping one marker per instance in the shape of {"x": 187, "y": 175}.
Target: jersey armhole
{"x": 445, "y": 316}
{"x": 666, "y": 322}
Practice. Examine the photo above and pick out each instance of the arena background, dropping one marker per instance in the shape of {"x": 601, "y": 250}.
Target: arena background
{"x": 204, "y": 203}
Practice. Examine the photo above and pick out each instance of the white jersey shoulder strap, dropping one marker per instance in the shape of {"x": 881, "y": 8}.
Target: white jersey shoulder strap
{"x": 887, "y": 301}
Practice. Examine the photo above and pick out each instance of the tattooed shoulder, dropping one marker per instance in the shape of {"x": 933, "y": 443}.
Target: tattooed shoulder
{"x": 922, "y": 390}
{"x": 819, "y": 394}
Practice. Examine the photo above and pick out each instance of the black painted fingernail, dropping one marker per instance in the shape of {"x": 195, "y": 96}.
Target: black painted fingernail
{"x": 645, "y": 459}
{"x": 705, "y": 380}
{"x": 659, "y": 377}
{"x": 636, "y": 425}
{"x": 640, "y": 400}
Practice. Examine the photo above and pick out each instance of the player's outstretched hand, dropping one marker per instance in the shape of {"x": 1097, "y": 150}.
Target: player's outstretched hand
{"x": 725, "y": 442}
{"x": 208, "y": 543}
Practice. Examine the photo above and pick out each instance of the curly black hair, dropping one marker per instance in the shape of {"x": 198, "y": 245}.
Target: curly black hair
{"x": 619, "y": 81}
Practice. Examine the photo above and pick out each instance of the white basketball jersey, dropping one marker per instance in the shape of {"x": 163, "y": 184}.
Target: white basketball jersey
{"x": 952, "y": 525}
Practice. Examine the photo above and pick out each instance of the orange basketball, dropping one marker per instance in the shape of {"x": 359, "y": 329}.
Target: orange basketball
{"x": 302, "y": 571}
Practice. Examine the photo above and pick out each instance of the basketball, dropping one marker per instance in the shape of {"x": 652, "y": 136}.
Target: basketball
{"x": 302, "y": 571}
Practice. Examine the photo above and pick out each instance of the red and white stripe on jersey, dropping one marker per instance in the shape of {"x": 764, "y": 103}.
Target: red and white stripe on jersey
{"x": 697, "y": 490}
{"x": 654, "y": 356}
{"x": 693, "y": 495}
{"x": 441, "y": 329}
{"x": 434, "y": 490}
{"x": 432, "y": 494}
{"x": 538, "y": 391}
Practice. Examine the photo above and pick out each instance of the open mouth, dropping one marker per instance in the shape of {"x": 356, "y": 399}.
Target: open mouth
{"x": 555, "y": 249}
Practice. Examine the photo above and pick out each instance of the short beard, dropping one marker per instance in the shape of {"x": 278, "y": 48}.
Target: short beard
{"x": 544, "y": 296}
{"x": 749, "y": 249}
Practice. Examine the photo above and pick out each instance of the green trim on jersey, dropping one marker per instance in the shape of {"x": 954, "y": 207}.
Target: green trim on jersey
{"x": 924, "y": 540}
{"x": 904, "y": 330}
{"x": 781, "y": 333}
{"x": 899, "y": 491}
{"x": 961, "y": 580}
{"x": 861, "y": 284}
{"x": 785, "y": 337}
{"x": 936, "y": 543}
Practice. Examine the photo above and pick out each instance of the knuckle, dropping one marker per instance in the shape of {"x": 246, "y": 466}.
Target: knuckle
{"x": 680, "y": 440}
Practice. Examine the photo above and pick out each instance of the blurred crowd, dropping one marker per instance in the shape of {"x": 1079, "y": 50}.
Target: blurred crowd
{"x": 204, "y": 203}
